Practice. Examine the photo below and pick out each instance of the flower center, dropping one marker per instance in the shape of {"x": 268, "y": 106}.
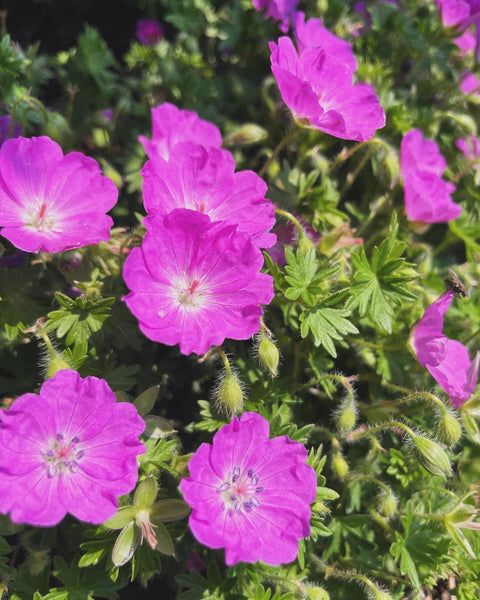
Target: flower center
{"x": 62, "y": 455}
{"x": 40, "y": 219}
{"x": 191, "y": 296}
{"x": 240, "y": 491}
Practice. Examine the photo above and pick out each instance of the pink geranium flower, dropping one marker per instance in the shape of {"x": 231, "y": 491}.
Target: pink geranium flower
{"x": 280, "y": 10}
{"x": 72, "y": 448}
{"x": 470, "y": 84}
{"x": 172, "y": 125}
{"x": 195, "y": 282}
{"x": 149, "y": 32}
{"x": 447, "y": 360}
{"x": 427, "y": 195}
{"x": 49, "y": 201}
{"x": 312, "y": 34}
{"x": 319, "y": 90}
{"x": 204, "y": 179}
{"x": 250, "y": 494}
{"x": 461, "y": 14}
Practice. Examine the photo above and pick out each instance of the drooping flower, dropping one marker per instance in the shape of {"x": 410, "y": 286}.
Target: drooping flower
{"x": 447, "y": 360}
{"x": 71, "y": 448}
{"x": 195, "y": 283}
{"x": 172, "y": 125}
{"x": 312, "y": 34}
{"x": 250, "y": 494}
{"x": 6, "y": 125}
{"x": 149, "y": 32}
{"x": 427, "y": 195}
{"x": 319, "y": 91}
{"x": 204, "y": 179}
{"x": 49, "y": 201}
{"x": 280, "y": 10}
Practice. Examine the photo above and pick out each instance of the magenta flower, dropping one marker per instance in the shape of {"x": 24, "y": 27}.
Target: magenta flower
{"x": 72, "y": 448}
{"x": 427, "y": 195}
{"x": 447, "y": 360}
{"x": 470, "y": 147}
{"x": 49, "y": 201}
{"x": 461, "y": 14}
{"x": 149, "y": 32}
{"x": 205, "y": 180}
{"x": 280, "y": 10}
{"x": 312, "y": 34}
{"x": 465, "y": 42}
{"x": 470, "y": 84}
{"x": 319, "y": 90}
{"x": 195, "y": 282}
{"x": 250, "y": 494}
{"x": 172, "y": 125}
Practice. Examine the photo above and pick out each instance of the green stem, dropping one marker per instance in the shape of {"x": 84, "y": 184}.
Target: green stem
{"x": 416, "y": 396}
{"x": 282, "y": 143}
{"x": 46, "y": 339}
{"x": 373, "y": 345}
{"x": 291, "y": 218}
{"x": 378, "y": 519}
{"x": 356, "y": 435}
{"x": 351, "y": 178}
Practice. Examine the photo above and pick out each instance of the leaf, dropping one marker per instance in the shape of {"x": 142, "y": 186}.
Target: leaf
{"x": 379, "y": 284}
{"x": 327, "y": 325}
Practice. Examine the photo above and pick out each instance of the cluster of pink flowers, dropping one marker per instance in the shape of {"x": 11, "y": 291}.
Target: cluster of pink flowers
{"x": 447, "y": 360}
{"x": 71, "y": 448}
{"x": 49, "y": 201}
{"x": 427, "y": 195}
{"x": 196, "y": 278}
{"x": 250, "y": 494}
{"x": 462, "y": 15}
{"x": 316, "y": 81}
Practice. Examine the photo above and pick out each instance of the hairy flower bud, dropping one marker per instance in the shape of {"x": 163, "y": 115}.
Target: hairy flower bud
{"x": 268, "y": 355}
{"x": 449, "y": 429}
{"x": 387, "y": 505}
{"x": 229, "y": 395}
{"x": 339, "y": 465}
{"x": 305, "y": 244}
{"x": 317, "y": 593}
{"x": 55, "y": 364}
{"x": 432, "y": 456}
{"x": 381, "y": 595}
{"x": 345, "y": 418}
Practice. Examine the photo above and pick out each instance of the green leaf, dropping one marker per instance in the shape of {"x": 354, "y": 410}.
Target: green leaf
{"x": 327, "y": 325}
{"x": 379, "y": 284}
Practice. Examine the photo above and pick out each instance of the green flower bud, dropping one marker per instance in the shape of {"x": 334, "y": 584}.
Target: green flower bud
{"x": 317, "y": 593}
{"x": 268, "y": 355}
{"x": 345, "y": 418}
{"x": 247, "y": 134}
{"x": 432, "y": 456}
{"x": 381, "y": 595}
{"x": 229, "y": 395}
{"x": 146, "y": 493}
{"x": 387, "y": 505}
{"x": 55, "y": 364}
{"x": 305, "y": 244}
{"x": 449, "y": 429}
{"x": 339, "y": 465}
{"x": 126, "y": 544}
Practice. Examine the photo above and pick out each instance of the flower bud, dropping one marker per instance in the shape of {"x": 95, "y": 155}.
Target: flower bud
{"x": 387, "y": 505}
{"x": 317, "y": 593}
{"x": 247, "y": 134}
{"x": 268, "y": 355}
{"x": 126, "y": 544}
{"x": 55, "y": 364}
{"x": 381, "y": 595}
{"x": 339, "y": 465}
{"x": 305, "y": 244}
{"x": 345, "y": 418}
{"x": 449, "y": 429}
{"x": 229, "y": 395}
{"x": 432, "y": 456}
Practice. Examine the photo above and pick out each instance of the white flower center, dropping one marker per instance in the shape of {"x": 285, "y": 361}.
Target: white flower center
{"x": 240, "y": 491}
{"x": 62, "y": 455}
{"x": 41, "y": 218}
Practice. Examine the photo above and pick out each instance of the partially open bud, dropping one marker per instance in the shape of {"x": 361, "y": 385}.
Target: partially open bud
{"x": 449, "y": 429}
{"x": 268, "y": 354}
{"x": 432, "y": 456}
{"x": 229, "y": 395}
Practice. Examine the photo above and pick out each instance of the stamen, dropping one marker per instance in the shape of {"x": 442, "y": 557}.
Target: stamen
{"x": 236, "y": 474}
